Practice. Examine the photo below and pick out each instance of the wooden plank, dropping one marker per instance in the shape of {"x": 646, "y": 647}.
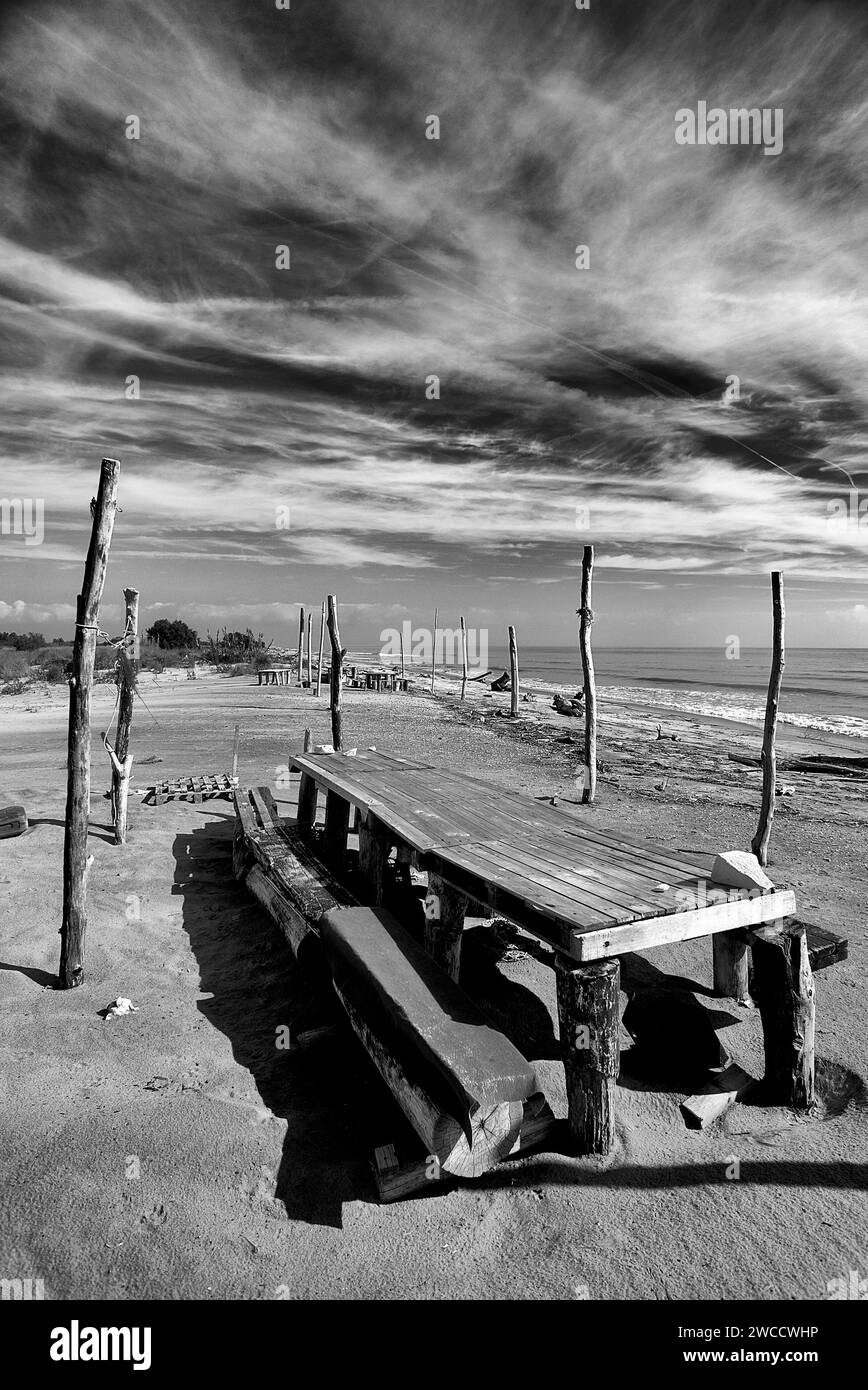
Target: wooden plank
{"x": 825, "y": 948}
{"x": 598, "y": 943}
{"x": 480, "y": 1066}
{"x": 713, "y": 1100}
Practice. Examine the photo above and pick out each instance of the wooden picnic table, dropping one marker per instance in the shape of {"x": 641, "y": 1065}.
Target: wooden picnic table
{"x": 273, "y": 675}
{"x": 591, "y": 894}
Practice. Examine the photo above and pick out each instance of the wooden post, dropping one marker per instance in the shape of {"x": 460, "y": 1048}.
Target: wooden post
{"x": 309, "y": 654}
{"x": 374, "y": 849}
{"x": 760, "y": 841}
{"x": 590, "y": 1043}
{"x": 401, "y": 636}
{"x": 319, "y": 659}
{"x": 307, "y": 794}
{"x": 338, "y": 654}
{"x": 586, "y": 618}
{"x": 76, "y": 862}
{"x": 300, "y": 645}
{"x": 784, "y": 987}
{"x": 235, "y": 743}
{"x": 121, "y": 757}
{"x": 434, "y": 652}
{"x": 731, "y": 963}
{"x": 335, "y": 831}
{"x": 445, "y": 924}
{"x": 463, "y": 657}
{"x": 513, "y": 675}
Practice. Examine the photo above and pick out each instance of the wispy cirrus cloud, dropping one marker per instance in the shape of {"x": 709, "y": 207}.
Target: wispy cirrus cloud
{"x": 573, "y": 405}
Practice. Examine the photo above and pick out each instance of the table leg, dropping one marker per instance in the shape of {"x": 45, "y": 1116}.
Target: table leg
{"x": 784, "y": 987}
{"x": 373, "y": 858}
{"x": 337, "y": 824}
{"x": 731, "y": 960}
{"x": 590, "y": 1042}
{"x": 444, "y": 923}
{"x": 306, "y": 813}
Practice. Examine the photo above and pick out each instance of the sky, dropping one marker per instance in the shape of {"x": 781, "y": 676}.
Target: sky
{"x": 288, "y": 439}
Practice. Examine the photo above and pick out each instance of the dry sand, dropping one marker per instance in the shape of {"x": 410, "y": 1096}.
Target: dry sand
{"x": 177, "y": 1153}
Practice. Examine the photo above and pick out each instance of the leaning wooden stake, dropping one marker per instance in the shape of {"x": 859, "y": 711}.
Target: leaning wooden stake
{"x": 309, "y": 657}
{"x": 322, "y": 618}
{"x": 463, "y": 657}
{"x": 76, "y": 862}
{"x": 338, "y": 654}
{"x": 120, "y": 756}
{"x": 300, "y": 645}
{"x": 401, "y": 636}
{"x": 760, "y": 841}
{"x": 513, "y": 675}
{"x": 586, "y": 617}
{"x": 434, "y": 652}
{"x": 235, "y": 742}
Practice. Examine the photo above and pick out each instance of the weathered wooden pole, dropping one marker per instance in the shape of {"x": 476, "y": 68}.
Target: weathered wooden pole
{"x": 588, "y": 998}
{"x": 121, "y": 757}
{"x": 322, "y": 618}
{"x": 784, "y": 988}
{"x": 76, "y": 862}
{"x": 309, "y": 655}
{"x": 235, "y": 744}
{"x": 513, "y": 675}
{"x": 401, "y": 636}
{"x": 760, "y": 841}
{"x": 300, "y": 645}
{"x": 586, "y": 618}
{"x": 338, "y": 654}
{"x": 463, "y": 657}
{"x": 434, "y": 652}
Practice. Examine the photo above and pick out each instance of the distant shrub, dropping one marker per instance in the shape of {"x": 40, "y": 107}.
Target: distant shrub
{"x": 55, "y": 670}
{"x": 14, "y": 665}
{"x": 15, "y": 687}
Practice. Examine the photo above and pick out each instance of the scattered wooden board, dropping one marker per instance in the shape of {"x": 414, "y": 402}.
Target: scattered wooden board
{"x": 709, "y": 1104}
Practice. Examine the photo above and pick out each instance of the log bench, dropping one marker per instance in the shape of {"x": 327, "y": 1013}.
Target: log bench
{"x": 468, "y": 1093}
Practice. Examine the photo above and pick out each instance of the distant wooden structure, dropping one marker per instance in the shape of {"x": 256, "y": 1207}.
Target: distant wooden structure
{"x": 513, "y": 675}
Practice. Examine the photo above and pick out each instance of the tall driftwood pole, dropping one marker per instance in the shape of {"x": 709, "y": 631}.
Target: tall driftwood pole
{"x": 513, "y": 675}
{"x": 121, "y": 758}
{"x": 463, "y": 657}
{"x": 300, "y": 645}
{"x": 235, "y": 742}
{"x": 322, "y": 618}
{"x": 434, "y": 652}
{"x": 338, "y": 654}
{"x": 401, "y": 636}
{"x": 760, "y": 842}
{"x": 586, "y": 618}
{"x": 75, "y": 857}
{"x": 309, "y": 656}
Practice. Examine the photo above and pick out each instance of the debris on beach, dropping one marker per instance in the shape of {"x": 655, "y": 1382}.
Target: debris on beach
{"x": 120, "y": 1007}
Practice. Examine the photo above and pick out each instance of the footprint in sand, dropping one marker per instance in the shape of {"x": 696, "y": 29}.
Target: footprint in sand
{"x": 156, "y": 1217}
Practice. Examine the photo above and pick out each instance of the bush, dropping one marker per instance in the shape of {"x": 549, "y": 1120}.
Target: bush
{"x": 14, "y": 665}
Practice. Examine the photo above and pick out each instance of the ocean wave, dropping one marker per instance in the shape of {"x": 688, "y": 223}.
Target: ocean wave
{"x": 721, "y": 705}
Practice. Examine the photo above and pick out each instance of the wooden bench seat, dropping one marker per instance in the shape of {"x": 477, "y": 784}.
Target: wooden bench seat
{"x": 481, "y": 1066}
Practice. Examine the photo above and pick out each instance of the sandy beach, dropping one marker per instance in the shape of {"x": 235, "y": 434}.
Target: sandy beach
{"x": 176, "y": 1154}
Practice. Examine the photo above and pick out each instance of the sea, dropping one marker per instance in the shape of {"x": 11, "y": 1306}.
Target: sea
{"x": 824, "y": 689}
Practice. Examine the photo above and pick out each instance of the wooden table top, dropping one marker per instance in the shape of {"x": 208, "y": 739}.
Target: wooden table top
{"x": 589, "y": 892}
